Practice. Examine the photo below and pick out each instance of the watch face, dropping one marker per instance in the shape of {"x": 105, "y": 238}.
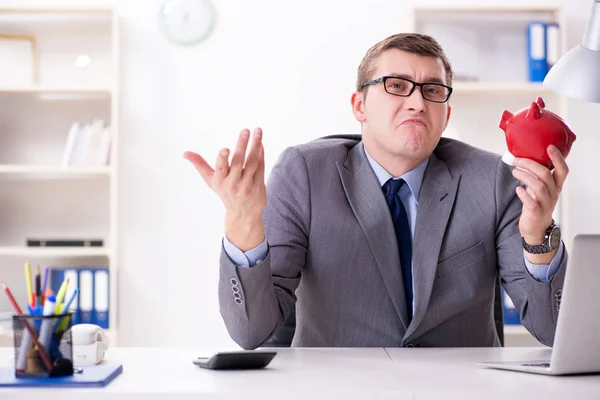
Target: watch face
{"x": 554, "y": 238}
{"x": 186, "y": 21}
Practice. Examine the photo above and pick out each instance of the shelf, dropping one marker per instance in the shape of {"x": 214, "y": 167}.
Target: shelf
{"x": 55, "y": 172}
{"x": 499, "y": 87}
{"x": 19, "y": 18}
{"x": 479, "y": 9}
{"x": 27, "y": 12}
{"x": 59, "y": 92}
{"x": 44, "y": 252}
{"x": 515, "y": 330}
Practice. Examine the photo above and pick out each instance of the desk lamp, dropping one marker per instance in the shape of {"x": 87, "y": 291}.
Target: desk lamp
{"x": 577, "y": 73}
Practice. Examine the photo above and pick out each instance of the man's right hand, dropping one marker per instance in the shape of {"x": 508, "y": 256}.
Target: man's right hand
{"x": 241, "y": 187}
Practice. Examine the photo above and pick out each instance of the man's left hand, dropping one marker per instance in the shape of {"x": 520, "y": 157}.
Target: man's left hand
{"x": 540, "y": 195}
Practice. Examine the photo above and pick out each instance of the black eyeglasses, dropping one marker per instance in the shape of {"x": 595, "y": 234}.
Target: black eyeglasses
{"x": 434, "y": 92}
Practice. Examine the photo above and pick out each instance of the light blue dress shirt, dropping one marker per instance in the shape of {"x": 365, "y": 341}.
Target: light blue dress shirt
{"x": 409, "y": 194}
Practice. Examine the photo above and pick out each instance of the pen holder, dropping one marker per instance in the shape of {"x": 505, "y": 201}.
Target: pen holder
{"x": 43, "y": 345}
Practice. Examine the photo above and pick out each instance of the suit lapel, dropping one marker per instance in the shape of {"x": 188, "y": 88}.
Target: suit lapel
{"x": 436, "y": 200}
{"x": 370, "y": 208}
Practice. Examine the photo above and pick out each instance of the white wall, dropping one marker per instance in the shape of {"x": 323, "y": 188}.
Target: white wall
{"x": 288, "y": 67}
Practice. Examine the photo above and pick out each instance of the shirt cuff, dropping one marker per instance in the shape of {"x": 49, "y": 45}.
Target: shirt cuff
{"x": 545, "y": 272}
{"x": 248, "y": 259}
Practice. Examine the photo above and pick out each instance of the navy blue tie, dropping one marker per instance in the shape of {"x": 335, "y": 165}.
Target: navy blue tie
{"x": 403, "y": 236}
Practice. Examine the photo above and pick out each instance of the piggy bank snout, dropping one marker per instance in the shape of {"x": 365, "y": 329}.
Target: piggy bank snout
{"x": 506, "y": 117}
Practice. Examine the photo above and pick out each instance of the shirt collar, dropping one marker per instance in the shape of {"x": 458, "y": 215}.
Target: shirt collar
{"x": 413, "y": 178}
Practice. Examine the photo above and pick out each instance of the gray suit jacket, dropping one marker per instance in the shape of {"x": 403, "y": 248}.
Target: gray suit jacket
{"x": 333, "y": 254}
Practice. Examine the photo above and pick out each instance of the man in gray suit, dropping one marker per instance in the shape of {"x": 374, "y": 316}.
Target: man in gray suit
{"x": 390, "y": 238}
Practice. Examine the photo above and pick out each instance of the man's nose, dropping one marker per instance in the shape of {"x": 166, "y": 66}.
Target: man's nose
{"x": 415, "y": 101}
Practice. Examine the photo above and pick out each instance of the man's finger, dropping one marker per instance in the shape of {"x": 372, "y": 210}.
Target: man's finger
{"x": 528, "y": 202}
{"x": 536, "y": 189}
{"x": 561, "y": 169}
{"x": 205, "y": 170}
{"x": 239, "y": 155}
{"x": 259, "y": 176}
{"x": 221, "y": 166}
{"x": 252, "y": 158}
{"x": 536, "y": 169}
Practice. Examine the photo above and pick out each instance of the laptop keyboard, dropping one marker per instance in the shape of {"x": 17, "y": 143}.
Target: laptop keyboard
{"x": 541, "y": 365}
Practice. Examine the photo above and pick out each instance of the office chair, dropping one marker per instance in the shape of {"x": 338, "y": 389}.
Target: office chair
{"x": 283, "y": 337}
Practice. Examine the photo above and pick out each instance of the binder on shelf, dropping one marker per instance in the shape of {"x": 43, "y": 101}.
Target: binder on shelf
{"x": 101, "y": 297}
{"x": 65, "y": 242}
{"x": 552, "y": 44}
{"x": 57, "y": 276}
{"x": 536, "y": 51}
{"x": 543, "y": 47}
{"x": 92, "y": 304}
{"x": 511, "y": 314}
{"x": 86, "y": 296}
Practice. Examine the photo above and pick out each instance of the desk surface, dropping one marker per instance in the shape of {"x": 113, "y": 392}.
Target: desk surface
{"x": 301, "y": 373}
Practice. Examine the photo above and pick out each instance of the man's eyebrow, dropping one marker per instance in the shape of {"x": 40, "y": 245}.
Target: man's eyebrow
{"x": 431, "y": 79}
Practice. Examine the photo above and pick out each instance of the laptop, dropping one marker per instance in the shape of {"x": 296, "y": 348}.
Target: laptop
{"x": 576, "y": 348}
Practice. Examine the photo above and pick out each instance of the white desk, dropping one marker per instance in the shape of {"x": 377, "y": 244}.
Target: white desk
{"x": 374, "y": 373}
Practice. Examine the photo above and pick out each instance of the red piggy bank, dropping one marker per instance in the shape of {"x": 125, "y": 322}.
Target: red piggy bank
{"x": 531, "y": 130}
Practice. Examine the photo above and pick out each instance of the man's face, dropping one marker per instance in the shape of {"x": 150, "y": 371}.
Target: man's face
{"x": 407, "y": 127}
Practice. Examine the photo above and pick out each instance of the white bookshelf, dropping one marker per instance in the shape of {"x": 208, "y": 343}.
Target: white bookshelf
{"x": 487, "y": 47}
{"x": 54, "y": 171}
{"x": 60, "y": 66}
{"x": 66, "y": 90}
{"x": 531, "y": 88}
{"x": 63, "y": 252}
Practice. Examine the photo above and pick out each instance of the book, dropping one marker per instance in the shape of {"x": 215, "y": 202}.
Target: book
{"x": 65, "y": 242}
{"x": 537, "y": 51}
{"x": 90, "y": 376}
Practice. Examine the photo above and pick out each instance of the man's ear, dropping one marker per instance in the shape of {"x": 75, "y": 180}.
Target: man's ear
{"x": 358, "y": 106}
{"x": 448, "y": 116}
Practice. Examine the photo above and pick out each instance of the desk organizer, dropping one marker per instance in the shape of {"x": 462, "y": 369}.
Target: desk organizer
{"x": 43, "y": 345}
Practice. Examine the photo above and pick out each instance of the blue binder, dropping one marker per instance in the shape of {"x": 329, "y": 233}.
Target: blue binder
{"x": 57, "y": 276}
{"x": 91, "y": 376}
{"x": 86, "y": 296}
{"x": 537, "y": 51}
{"x": 100, "y": 314}
{"x": 552, "y": 44}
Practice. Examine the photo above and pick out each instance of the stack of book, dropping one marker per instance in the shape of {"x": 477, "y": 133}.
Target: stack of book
{"x": 88, "y": 144}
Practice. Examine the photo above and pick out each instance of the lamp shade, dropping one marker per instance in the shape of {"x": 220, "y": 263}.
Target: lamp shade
{"x": 577, "y": 73}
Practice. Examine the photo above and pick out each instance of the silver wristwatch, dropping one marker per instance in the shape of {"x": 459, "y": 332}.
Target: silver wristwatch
{"x": 550, "y": 243}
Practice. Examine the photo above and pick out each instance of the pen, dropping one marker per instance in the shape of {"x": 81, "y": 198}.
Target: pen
{"x": 61, "y": 292}
{"x": 47, "y": 325}
{"x": 44, "y": 284}
{"x": 12, "y": 299}
{"x": 41, "y": 350}
{"x": 60, "y": 326}
{"x": 30, "y": 295}
{"x": 38, "y": 289}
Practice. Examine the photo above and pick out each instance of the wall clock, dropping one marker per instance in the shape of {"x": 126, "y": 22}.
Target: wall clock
{"x": 186, "y": 22}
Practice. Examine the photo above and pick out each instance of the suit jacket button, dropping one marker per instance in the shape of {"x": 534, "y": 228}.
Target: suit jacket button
{"x": 233, "y": 282}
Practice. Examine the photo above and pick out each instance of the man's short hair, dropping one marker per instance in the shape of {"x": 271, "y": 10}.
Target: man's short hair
{"x": 415, "y": 43}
